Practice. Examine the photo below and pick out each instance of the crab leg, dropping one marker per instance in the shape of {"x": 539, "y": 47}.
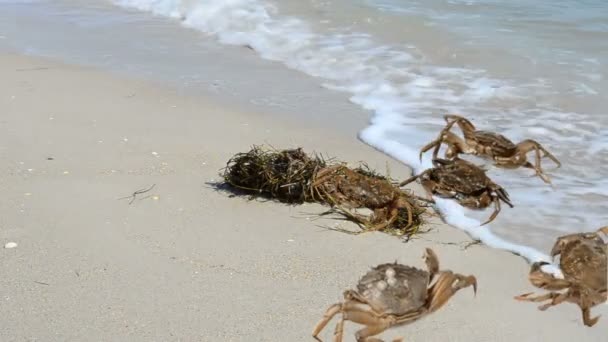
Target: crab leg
{"x": 538, "y": 167}
{"x": 374, "y": 325}
{"x": 432, "y": 263}
{"x": 463, "y": 123}
{"x": 437, "y": 142}
{"x": 454, "y": 142}
{"x": 339, "y": 330}
{"x": 555, "y": 297}
{"x": 587, "y": 317}
{"x": 329, "y": 314}
{"x": 529, "y": 145}
{"x": 544, "y": 280}
{"x": 495, "y": 213}
{"x": 541, "y": 298}
{"x": 347, "y": 309}
{"x": 411, "y": 179}
{"x": 560, "y": 298}
{"x": 504, "y": 196}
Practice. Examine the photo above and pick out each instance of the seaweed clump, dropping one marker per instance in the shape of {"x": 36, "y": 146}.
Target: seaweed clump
{"x": 292, "y": 176}
{"x": 284, "y": 175}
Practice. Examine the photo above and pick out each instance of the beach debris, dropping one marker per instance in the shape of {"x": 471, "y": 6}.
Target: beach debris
{"x": 393, "y": 294}
{"x": 465, "y": 182}
{"x": 292, "y": 176}
{"x": 489, "y": 145}
{"x": 133, "y": 196}
{"x": 10, "y": 245}
{"x": 583, "y": 261}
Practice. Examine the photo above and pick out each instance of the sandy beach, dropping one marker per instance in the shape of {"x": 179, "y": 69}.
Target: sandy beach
{"x": 186, "y": 261}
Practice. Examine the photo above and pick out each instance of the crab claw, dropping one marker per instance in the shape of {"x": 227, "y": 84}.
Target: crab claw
{"x": 446, "y": 286}
{"x": 431, "y": 260}
{"x": 504, "y": 196}
{"x": 591, "y": 321}
{"x": 468, "y": 281}
{"x": 557, "y": 249}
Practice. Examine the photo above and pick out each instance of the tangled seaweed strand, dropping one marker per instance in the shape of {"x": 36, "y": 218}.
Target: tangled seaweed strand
{"x": 284, "y": 175}
{"x": 292, "y": 176}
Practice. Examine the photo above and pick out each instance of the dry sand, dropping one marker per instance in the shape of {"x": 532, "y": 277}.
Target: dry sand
{"x": 185, "y": 262}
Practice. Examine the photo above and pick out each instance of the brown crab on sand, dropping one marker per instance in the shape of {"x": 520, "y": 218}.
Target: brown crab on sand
{"x": 346, "y": 189}
{"x": 489, "y": 145}
{"x": 465, "y": 182}
{"x": 392, "y": 295}
{"x": 583, "y": 260}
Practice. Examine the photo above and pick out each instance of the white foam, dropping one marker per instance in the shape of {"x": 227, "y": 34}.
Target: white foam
{"x": 404, "y": 92}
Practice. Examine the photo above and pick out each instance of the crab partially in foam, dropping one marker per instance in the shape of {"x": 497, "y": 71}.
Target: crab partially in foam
{"x": 394, "y": 294}
{"x": 489, "y": 145}
{"x": 583, "y": 261}
{"x": 465, "y": 182}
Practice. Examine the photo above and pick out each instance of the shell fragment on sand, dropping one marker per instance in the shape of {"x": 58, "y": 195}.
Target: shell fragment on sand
{"x": 10, "y": 245}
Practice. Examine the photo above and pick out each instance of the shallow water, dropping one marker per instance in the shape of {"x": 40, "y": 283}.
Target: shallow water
{"x": 525, "y": 69}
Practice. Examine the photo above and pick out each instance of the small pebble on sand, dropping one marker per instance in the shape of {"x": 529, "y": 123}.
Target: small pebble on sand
{"x": 10, "y": 245}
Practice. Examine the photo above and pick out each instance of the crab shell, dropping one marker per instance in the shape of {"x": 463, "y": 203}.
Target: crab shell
{"x": 370, "y": 192}
{"x": 494, "y": 144}
{"x": 583, "y": 259}
{"x": 394, "y": 288}
{"x": 354, "y": 189}
{"x": 458, "y": 176}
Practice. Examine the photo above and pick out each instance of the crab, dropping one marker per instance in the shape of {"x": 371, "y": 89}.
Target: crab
{"x": 489, "y": 145}
{"x": 465, "y": 182}
{"x": 393, "y": 294}
{"x": 345, "y": 188}
{"x": 583, "y": 259}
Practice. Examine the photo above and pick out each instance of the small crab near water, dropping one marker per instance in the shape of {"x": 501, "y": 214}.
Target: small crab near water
{"x": 489, "y": 145}
{"x": 583, "y": 261}
{"x": 345, "y": 189}
{"x": 464, "y": 182}
{"x": 393, "y": 294}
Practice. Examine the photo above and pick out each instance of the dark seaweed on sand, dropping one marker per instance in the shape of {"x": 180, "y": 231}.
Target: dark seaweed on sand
{"x": 285, "y": 175}
{"x": 292, "y": 176}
